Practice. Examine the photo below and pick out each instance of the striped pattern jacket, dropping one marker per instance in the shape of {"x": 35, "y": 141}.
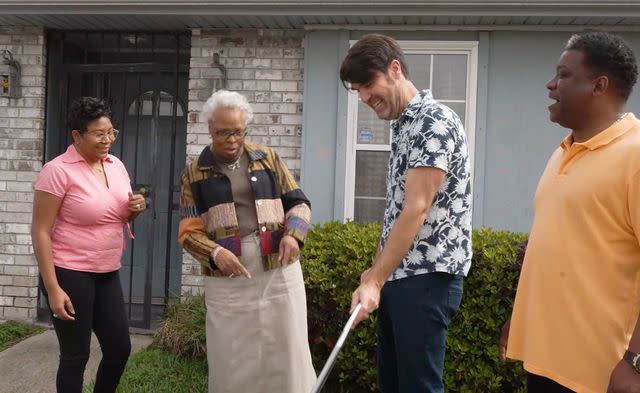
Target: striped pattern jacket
{"x": 209, "y": 216}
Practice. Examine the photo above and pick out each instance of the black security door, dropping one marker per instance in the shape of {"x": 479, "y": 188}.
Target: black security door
{"x": 145, "y": 79}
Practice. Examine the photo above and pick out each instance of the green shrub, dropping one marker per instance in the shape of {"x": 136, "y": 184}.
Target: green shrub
{"x": 472, "y": 363}
{"x": 182, "y": 332}
{"x": 333, "y": 258}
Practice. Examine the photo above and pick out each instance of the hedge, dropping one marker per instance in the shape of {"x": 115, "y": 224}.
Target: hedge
{"x": 333, "y": 257}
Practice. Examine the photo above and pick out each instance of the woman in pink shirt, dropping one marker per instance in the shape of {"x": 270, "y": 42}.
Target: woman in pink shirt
{"x": 81, "y": 211}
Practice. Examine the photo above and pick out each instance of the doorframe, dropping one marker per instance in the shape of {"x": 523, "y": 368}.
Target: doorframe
{"x": 56, "y": 141}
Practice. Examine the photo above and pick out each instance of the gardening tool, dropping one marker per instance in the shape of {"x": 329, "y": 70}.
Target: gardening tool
{"x": 324, "y": 374}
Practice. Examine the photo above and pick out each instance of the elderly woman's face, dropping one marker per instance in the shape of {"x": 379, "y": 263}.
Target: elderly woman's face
{"x": 227, "y": 130}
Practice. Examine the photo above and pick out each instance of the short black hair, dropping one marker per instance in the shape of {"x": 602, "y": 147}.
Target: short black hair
{"x": 84, "y": 110}
{"x": 610, "y": 55}
{"x": 372, "y": 53}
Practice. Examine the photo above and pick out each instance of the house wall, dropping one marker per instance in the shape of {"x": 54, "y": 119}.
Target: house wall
{"x": 21, "y": 152}
{"x": 325, "y": 125}
{"x": 264, "y": 65}
{"x": 519, "y": 136}
{"x": 513, "y": 134}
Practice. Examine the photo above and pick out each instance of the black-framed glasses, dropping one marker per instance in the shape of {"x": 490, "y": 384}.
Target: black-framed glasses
{"x": 101, "y": 136}
{"x": 223, "y": 135}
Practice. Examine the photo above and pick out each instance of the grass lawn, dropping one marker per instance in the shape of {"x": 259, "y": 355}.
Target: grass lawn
{"x": 12, "y": 332}
{"x": 155, "y": 370}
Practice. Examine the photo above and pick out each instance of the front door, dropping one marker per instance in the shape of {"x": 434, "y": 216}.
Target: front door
{"x": 145, "y": 79}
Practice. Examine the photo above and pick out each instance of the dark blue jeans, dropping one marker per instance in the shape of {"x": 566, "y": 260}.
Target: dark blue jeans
{"x": 413, "y": 319}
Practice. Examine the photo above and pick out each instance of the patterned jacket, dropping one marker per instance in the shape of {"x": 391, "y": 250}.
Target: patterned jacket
{"x": 209, "y": 216}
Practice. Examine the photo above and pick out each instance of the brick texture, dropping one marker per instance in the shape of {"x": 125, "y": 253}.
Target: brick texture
{"x": 266, "y": 67}
{"x": 21, "y": 153}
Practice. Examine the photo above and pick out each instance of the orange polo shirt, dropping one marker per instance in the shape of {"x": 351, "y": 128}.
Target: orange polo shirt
{"x": 578, "y": 297}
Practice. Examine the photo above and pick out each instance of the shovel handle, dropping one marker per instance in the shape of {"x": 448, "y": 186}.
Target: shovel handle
{"x": 322, "y": 378}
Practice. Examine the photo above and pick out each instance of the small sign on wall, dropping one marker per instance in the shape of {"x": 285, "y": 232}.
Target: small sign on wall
{"x": 365, "y": 135}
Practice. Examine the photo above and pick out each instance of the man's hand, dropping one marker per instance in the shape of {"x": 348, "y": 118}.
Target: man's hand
{"x": 289, "y": 250}
{"x": 504, "y": 338}
{"x": 230, "y": 265}
{"x": 364, "y": 275}
{"x": 624, "y": 379}
{"x": 368, "y": 294}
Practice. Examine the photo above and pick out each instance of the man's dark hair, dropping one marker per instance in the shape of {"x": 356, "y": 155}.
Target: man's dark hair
{"x": 372, "y": 53}
{"x": 608, "y": 54}
{"x": 84, "y": 110}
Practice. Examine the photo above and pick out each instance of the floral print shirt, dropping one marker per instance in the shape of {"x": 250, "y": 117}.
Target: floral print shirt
{"x": 429, "y": 134}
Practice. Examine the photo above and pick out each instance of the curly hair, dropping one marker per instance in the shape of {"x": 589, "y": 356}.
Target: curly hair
{"x": 84, "y": 110}
{"x": 227, "y": 99}
{"x": 610, "y": 55}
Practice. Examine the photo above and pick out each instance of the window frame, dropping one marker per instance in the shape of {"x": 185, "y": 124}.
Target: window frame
{"x": 468, "y": 48}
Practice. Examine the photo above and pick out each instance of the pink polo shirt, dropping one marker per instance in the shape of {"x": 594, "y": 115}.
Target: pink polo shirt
{"x": 88, "y": 234}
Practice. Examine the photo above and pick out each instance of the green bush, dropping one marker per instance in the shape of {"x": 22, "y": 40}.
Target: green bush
{"x": 333, "y": 258}
{"x": 472, "y": 363}
{"x": 182, "y": 332}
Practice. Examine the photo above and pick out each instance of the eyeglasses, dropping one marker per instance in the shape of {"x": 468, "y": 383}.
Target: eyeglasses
{"x": 223, "y": 135}
{"x": 101, "y": 136}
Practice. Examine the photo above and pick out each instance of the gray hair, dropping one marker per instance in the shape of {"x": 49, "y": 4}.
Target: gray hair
{"x": 226, "y": 99}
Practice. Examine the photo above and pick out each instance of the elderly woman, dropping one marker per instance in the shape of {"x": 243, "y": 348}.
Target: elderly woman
{"x": 81, "y": 210}
{"x": 244, "y": 219}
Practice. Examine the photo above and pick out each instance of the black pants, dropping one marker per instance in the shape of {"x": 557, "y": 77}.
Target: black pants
{"x": 538, "y": 384}
{"x": 99, "y": 306}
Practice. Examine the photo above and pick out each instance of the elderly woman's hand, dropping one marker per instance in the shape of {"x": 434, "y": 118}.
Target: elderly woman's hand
{"x": 289, "y": 250}
{"x": 229, "y": 264}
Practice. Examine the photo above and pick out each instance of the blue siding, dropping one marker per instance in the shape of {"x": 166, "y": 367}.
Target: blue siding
{"x": 514, "y": 136}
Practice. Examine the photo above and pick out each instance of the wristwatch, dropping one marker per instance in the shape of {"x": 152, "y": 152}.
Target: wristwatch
{"x": 633, "y": 359}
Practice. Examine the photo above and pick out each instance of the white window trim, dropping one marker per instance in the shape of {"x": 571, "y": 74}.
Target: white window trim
{"x": 469, "y": 48}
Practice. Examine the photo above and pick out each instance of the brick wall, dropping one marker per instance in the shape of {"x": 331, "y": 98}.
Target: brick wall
{"x": 21, "y": 152}
{"x": 265, "y": 66}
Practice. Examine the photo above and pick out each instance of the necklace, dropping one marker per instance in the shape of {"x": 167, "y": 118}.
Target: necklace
{"x": 97, "y": 168}
{"x": 234, "y": 165}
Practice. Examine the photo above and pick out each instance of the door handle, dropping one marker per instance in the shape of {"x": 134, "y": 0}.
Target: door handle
{"x": 144, "y": 190}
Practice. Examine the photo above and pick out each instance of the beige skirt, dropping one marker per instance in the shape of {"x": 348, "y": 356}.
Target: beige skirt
{"x": 257, "y": 339}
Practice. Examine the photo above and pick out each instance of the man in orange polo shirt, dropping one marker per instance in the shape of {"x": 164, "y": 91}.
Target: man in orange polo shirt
{"x": 574, "y": 321}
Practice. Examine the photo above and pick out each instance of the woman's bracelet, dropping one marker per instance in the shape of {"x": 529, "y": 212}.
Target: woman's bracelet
{"x": 215, "y": 252}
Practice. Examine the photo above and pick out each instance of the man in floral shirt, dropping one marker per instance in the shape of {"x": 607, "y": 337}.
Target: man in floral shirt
{"x": 425, "y": 247}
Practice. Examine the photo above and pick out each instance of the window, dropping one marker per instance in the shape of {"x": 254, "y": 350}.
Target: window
{"x": 165, "y": 105}
{"x": 449, "y": 70}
